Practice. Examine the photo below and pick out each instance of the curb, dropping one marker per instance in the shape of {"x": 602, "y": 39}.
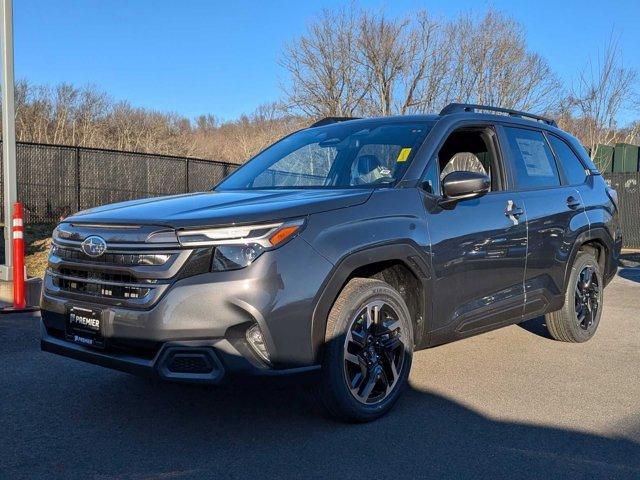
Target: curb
{"x": 11, "y": 310}
{"x": 628, "y": 263}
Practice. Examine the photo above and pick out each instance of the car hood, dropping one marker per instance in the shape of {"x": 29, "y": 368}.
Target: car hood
{"x": 222, "y": 208}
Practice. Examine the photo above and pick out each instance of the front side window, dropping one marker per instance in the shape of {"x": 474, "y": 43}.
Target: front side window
{"x": 342, "y": 155}
{"x": 471, "y": 150}
{"x": 532, "y": 159}
{"x": 569, "y": 162}
{"x": 431, "y": 179}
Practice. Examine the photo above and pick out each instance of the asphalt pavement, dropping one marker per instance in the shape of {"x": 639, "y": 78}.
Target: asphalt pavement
{"x": 512, "y": 403}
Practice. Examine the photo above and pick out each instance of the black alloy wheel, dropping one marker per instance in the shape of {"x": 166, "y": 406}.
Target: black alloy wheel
{"x": 374, "y": 352}
{"x": 586, "y": 297}
{"x": 579, "y": 317}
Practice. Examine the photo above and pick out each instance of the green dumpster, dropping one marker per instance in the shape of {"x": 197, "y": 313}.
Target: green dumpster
{"x": 604, "y": 158}
{"x": 625, "y": 158}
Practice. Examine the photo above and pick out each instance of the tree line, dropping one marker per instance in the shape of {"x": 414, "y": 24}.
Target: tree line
{"x": 358, "y": 62}
{"x": 88, "y": 117}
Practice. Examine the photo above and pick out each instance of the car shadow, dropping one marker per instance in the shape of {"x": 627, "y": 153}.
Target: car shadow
{"x": 632, "y": 274}
{"x": 64, "y": 419}
{"x": 117, "y": 426}
{"x": 536, "y": 326}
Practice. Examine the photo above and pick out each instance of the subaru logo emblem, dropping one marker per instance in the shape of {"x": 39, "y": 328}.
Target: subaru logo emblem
{"x": 94, "y": 246}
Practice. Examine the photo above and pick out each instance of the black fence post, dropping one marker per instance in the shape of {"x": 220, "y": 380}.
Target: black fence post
{"x": 186, "y": 182}
{"x": 78, "y": 179}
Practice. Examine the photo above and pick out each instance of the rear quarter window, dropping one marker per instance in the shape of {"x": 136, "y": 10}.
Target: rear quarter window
{"x": 570, "y": 164}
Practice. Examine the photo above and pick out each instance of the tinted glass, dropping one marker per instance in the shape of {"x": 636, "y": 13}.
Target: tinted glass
{"x": 569, "y": 162}
{"x": 360, "y": 154}
{"x": 431, "y": 180}
{"x": 533, "y": 162}
{"x": 306, "y": 166}
{"x": 468, "y": 150}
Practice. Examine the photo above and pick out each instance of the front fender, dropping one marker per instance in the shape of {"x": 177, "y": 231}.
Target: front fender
{"x": 406, "y": 252}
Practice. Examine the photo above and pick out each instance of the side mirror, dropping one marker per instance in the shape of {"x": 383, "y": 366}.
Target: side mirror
{"x": 461, "y": 185}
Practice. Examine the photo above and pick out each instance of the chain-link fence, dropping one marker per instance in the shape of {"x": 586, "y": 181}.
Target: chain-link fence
{"x": 55, "y": 181}
{"x": 628, "y": 187}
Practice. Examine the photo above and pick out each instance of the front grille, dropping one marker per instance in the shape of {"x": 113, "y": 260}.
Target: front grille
{"x": 139, "y": 265}
{"x": 102, "y": 283}
{"x": 123, "y": 259}
{"x": 108, "y": 276}
{"x": 100, "y": 289}
{"x": 137, "y": 278}
{"x": 136, "y": 269}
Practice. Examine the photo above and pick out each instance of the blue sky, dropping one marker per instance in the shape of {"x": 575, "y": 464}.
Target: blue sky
{"x": 195, "y": 57}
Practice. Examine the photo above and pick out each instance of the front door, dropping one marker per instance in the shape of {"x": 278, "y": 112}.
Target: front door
{"x": 478, "y": 258}
{"x": 478, "y": 246}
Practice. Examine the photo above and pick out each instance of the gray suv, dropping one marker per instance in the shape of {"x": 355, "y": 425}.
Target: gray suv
{"x": 344, "y": 248}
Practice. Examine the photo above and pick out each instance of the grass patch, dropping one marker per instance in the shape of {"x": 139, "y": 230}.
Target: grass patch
{"x": 37, "y": 239}
{"x": 37, "y": 244}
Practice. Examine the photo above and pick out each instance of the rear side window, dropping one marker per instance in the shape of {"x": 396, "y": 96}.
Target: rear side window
{"x": 532, "y": 159}
{"x": 569, "y": 162}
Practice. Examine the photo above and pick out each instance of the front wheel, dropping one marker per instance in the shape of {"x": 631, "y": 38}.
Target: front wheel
{"x": 368, "y": 351}
{"x": 578, "y": 319}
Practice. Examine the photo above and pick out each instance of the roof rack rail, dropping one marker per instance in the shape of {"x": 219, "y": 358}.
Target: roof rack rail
{"x": 470, "y": 107}
{"x": 330, "y": 120}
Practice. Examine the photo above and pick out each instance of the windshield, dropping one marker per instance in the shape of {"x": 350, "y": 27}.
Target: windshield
{"x": 352, "y": 154}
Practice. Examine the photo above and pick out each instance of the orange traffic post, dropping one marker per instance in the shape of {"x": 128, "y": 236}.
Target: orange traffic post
{"x": 17, "y": 228}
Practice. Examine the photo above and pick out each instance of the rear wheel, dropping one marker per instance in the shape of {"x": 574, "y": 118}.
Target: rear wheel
{"x": 578, "y": 319}
{"x": 367, "y": 356}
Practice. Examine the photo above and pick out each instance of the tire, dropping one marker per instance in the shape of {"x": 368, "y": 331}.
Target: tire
{"x": 362, "y": 351}
{"x": 577, "y": 322}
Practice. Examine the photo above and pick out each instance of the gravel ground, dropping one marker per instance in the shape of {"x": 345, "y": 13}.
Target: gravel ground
{"x": 507, "y": 404}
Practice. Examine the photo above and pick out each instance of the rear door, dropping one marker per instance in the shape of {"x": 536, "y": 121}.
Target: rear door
{"x": 554, "y": 214}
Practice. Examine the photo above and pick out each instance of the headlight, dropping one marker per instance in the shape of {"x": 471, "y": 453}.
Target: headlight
{"x": 233, "y": 257}
{"x": 237, "y": 247}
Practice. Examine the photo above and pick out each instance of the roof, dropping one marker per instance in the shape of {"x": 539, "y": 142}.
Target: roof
{"x": 453, "y": 110}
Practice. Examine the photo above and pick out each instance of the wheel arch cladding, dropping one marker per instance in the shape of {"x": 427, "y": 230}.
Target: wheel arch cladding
{"x": 400, "y": 265}
{"x": 598, "y": 242}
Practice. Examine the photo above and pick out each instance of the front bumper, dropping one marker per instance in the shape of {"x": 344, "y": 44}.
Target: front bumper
{"x": 187, "y": 361}
{"x": 210, "y": 311}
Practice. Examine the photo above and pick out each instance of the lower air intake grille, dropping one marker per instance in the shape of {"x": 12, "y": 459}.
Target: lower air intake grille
{"x": 190, "y": 363}
{"x": 100, "y": 290}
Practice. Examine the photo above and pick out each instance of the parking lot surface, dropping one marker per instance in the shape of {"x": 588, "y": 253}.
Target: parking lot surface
{"x": 507, "y": 404}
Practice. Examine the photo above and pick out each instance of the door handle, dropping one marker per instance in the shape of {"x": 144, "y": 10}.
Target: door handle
{"x": 513, "y": 212}
{"x": 573, "y": 203}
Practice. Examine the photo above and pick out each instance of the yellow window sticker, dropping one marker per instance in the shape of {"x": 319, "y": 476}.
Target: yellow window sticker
{"x": 404, "y": 154}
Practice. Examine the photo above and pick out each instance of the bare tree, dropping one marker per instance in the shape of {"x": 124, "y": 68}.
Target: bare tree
{"x": 631, "y": 134}
{"x": 384, "y": 57}
{"x": 603, "y": 90}
{"x": 325, "y": 79}
{"x": 491, "y": 65}
{"x": 362, "y": 62}
{"x": 402, "y": 61}
{"x": 429, "y": 59}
